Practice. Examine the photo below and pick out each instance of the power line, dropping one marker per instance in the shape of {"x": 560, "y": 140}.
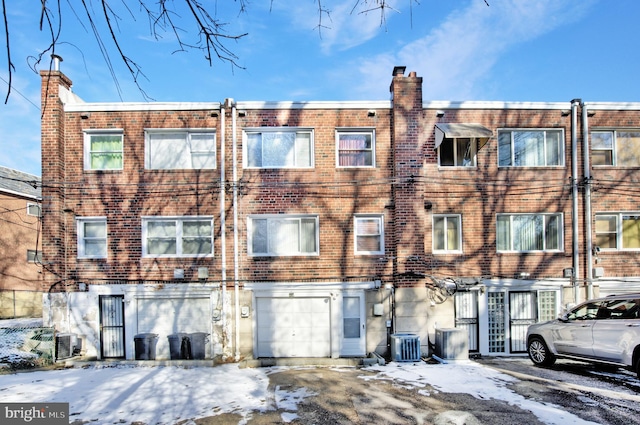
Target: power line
{"x": 21, "y": 95}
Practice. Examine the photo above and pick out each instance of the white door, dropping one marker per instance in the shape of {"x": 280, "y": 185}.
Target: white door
{"x": 353, "y": 326}
{"x": 522, "y": 313}
{"x": 293, "y": 327}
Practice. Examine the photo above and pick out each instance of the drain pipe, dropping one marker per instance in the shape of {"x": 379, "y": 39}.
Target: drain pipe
{"x": 574, "y": 198}
{"x": 587, "y": 201}
{"x": 223, "y": 233}
{"x": 236, "y": 288}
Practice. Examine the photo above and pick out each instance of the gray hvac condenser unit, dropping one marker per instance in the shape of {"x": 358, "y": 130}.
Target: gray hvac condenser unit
{"x": 405, "y": 348}
{"x": 65, "y": 345}
{"x": 452, "y": 344}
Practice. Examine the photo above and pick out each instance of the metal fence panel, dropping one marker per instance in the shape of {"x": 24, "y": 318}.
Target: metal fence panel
{"x": 25, "y": 348}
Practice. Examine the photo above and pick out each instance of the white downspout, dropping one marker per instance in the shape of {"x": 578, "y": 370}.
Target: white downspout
{"x": 587, "y": 201}
{"x": 574, "y": 197}
{"x": 223, "y": 233}
{"x": 236, "y": 288}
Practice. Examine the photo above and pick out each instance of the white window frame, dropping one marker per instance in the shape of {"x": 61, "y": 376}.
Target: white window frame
{"x": 614, "y": 149}
{"x": 88, "y": 154}
{"x": 380, "y": 234}
{"x": 37, "y": 207}
{"x": 512, "y": 151}
{"x": 474, "y": 152}
{"x": 446, "y": 249}
{"x": 82, "y": 239}
{"x": 371, "y": 132}
{"x": 298, "y": 163}
{"x": 188, "y": 148}
{"x": 619, "y": 229}
{"x": 511, "y": 235}
{"x": 271, "y": 221}
{"x": 34, "y": 256}
{"x": 179, "y": 235}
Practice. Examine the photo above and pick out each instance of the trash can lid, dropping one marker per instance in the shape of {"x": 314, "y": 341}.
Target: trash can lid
{"x": 146, "y": 335}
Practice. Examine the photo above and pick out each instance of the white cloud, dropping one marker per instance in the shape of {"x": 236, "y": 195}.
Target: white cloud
{"x": 453, "y": 57}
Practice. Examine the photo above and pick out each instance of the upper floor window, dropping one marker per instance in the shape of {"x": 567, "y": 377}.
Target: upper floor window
{"x": 103, "y": 150}
{"x": 92, "y": 237}
{"x": 177, "y": 236}
{"x": 369, "y": 234}
{"x": 459, "y": 152}
{"x": 282, "y": 148}
{"x": 530, "y": 148}
{"x": 529, "y": 232}
{"x": 618, "y": 231}
{"x": 180, "y": 150}
{"x": 447, "y": 233}
{"x": 620, "y": 147}
{"x": 33, "y": 209}
{"x": 34, "y": 256}
{"x": 273, "y": 235}
{"x": 356, "y": 147}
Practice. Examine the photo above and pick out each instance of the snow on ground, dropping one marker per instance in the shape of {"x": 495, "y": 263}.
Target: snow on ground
{"x": 169, "y": 394}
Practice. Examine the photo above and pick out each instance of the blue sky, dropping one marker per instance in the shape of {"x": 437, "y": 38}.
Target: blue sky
{"x": 511, "y": 50}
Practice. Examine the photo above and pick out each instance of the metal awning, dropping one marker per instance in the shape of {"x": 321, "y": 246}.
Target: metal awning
{"x": 457, "y": 130}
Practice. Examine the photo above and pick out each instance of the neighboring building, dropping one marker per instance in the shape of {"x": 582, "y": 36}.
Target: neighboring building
{"x": 20, "y": 241}
{"x": 319, "y": 229}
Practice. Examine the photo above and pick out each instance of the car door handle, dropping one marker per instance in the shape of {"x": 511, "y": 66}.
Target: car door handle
{"x": 633, "y": 325}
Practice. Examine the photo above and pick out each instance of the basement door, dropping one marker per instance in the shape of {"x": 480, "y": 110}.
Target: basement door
{"x": 112, "y": 326}
{"x": 293, "y": 327}
{"x": 353, "y": 325}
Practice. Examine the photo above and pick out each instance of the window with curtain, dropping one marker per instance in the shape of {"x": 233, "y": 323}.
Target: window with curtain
{"x": 616, "y": 147}
{"x": 92, "y": 237}
{"x": 177, "y": 236}
{"x": 529, "y": 232}
{"x": 283, "y": 235}
{"x": 180, "y": 150}
{"x": 530, "y": 148}
{"x": 447, "y": 233}
{"x": 369, "y": 235}
{"x": 103, "y": 151}
{"x": 278, "y": 148}
{"x": 618, "y": 231}
{"x": 459, "y": 152}
{"x": 356, "y": 148}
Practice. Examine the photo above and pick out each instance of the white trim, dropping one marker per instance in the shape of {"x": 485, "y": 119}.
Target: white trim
{"x": 273, "y": 288}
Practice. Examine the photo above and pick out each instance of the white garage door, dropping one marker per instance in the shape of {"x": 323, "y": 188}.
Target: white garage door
{"x": 167, "y": 316}
{"x": 293, "y": 327}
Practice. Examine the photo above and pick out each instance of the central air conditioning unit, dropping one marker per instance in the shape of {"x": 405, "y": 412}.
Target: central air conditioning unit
{"x": 405, "y": 348}
{"x": 65, "y": 345}
{"x": 452, "y": 344}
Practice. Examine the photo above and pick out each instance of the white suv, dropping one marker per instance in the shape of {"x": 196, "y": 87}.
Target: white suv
{"x": 604, "y": 330}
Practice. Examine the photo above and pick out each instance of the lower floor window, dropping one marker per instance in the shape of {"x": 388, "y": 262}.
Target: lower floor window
{"x": 283, "y": 235}
{"x": 177, "y": 236}
{"x": 529, "y": 232}
{"x": 618, "y": 231}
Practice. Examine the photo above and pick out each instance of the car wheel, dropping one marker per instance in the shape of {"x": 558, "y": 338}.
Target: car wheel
{"x": 539, "y": 353}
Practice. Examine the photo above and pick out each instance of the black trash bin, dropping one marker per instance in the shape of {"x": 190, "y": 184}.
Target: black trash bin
{"x": 198, "y": 344}
{"x": 145, "y": 346}
{"x": 176, "y": 346}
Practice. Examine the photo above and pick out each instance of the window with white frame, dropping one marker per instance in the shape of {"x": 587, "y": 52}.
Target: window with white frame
{"x": 177, "y": 236}
{"x": 283, "y": 235}
{"x": 34, "y": 256}
{"x": 103, "y": 150}
{"x": 618, "y": 231}
{"x": 92, "y": 237}
{"x": 278, "y": 148}
{"x": 180, "y": 150}
{"x": 447, "y": 233}
{"x": 355, "y": 147}
{"x": 458, "y": 152}
{"x": 530, "y": 148}
{"x": 616, "y": 147}
{"x": 529, "y": 232}
{"x": 33, "y": 209}
{"x": 369, "y": 234}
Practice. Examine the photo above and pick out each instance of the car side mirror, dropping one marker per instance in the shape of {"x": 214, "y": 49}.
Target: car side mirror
{"x": 564, "y": 317}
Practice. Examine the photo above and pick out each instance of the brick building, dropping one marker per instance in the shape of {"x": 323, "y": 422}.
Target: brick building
{"x": 320, "y": 229}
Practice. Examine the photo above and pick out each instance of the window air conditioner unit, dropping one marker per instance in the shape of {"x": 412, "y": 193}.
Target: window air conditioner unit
{"x": 452, "y": 344}
{"x": 405, "y": 347}
{"x": 65, "y": 345}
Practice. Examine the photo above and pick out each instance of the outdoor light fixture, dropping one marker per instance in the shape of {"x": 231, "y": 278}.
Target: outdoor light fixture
{"x": 371, "y": 113}
{"x": 439, "y": 114}
{"x": 242, "y": 113}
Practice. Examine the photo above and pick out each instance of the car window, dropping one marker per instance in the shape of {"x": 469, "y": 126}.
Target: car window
{"x": 625, "y": 309}
{"x": 585, "y": 312}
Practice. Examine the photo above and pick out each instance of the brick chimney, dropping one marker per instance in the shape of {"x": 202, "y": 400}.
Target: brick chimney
{"x": 408, "y": 192}
{"x": 54, "y": 222}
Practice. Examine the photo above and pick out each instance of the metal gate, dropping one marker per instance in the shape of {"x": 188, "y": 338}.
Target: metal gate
{"x": 466, "y": 307}
{"x": 522, "y": 313}
{"x": 112, "y": 326}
